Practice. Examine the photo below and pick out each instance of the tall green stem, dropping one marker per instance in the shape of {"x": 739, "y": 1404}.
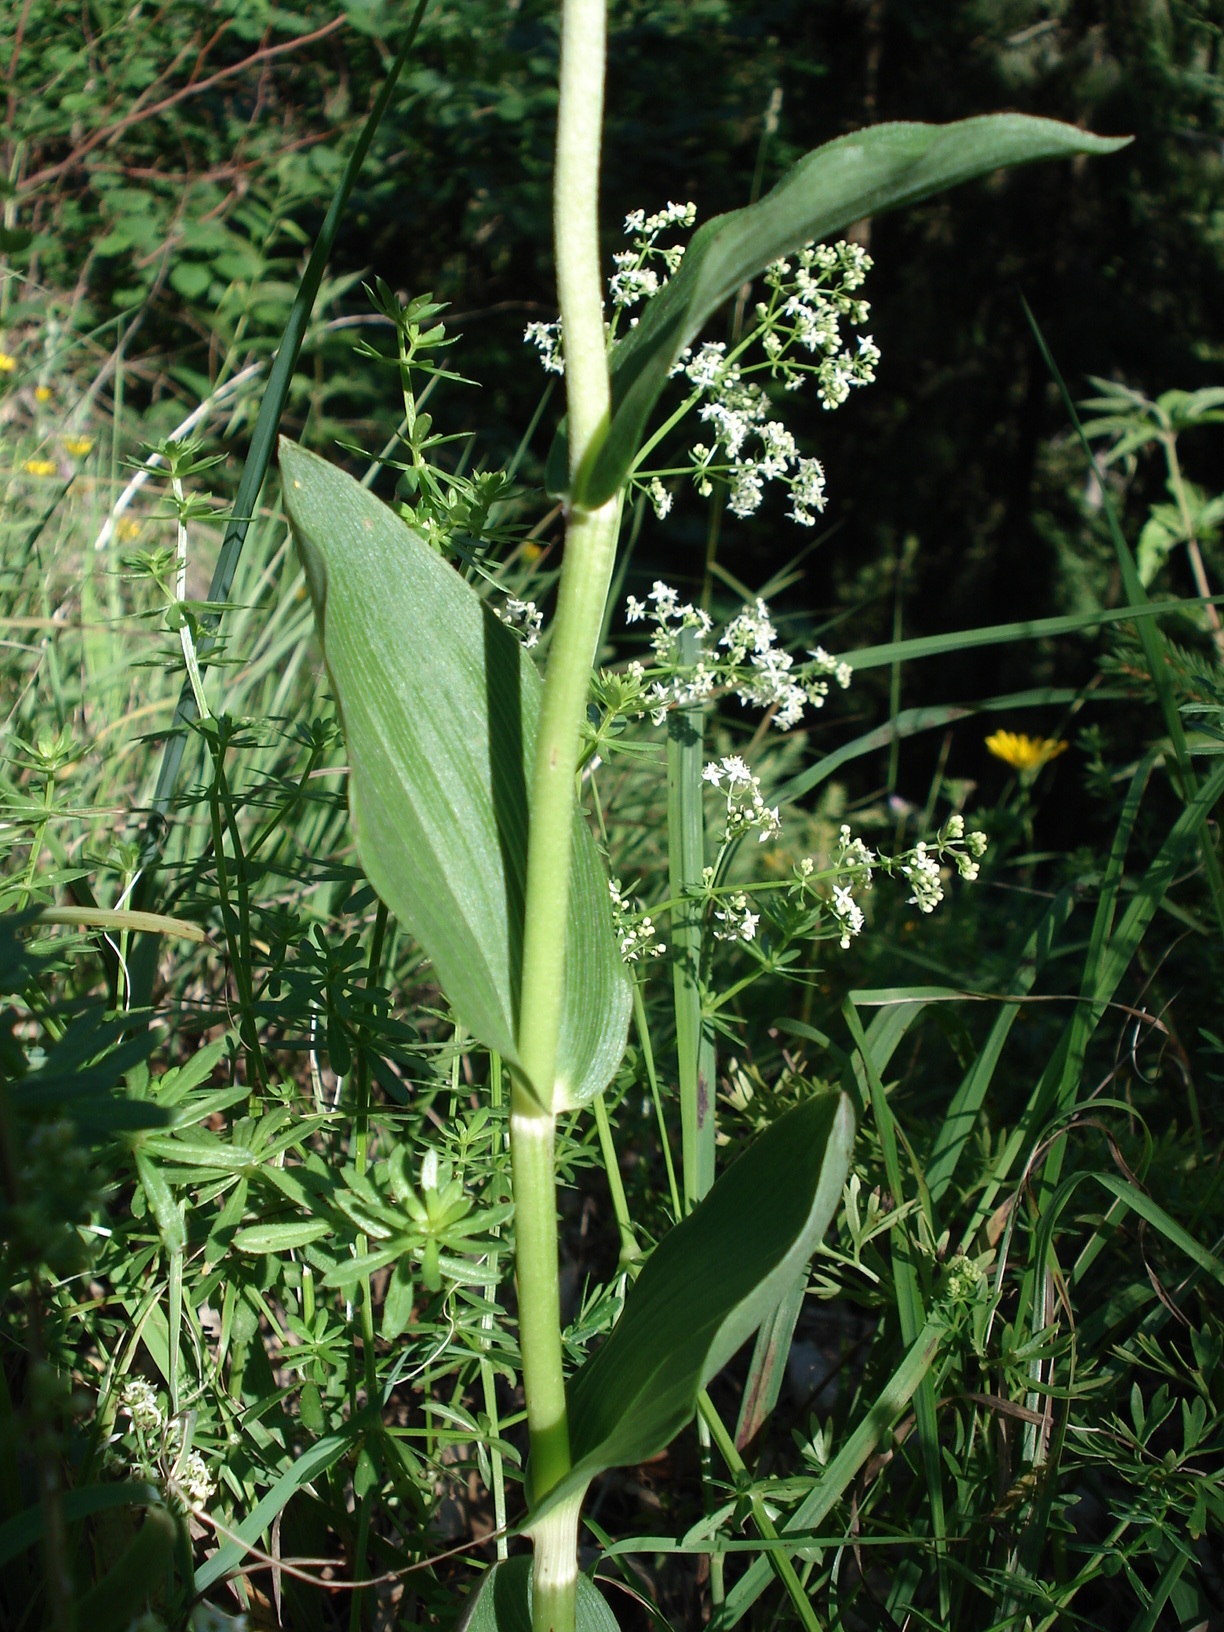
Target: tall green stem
{"x": 686, "y": 855}
{"x": 590, "y": 551}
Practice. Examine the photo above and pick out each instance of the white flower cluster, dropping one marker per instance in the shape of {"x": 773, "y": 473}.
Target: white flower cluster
{"x": 192, "y": 1479}
{"x": 746, "y": 660}
{"x": 733, "y": 921}
{"x": 804, "y": 314}
{"x": 524, "y": 617}
{"x": 139, "y": 1400}
{"x": 747, "y": 811}
{"x": 799, "y": 328}
{"x": 854, "y": 865}
{"x": 923, "y": 870}
{"x": 546, "y": 338}
{"x": 635, "y": 279}
{"x": 188, "y": 1477}
{"x": 635, "y": 931}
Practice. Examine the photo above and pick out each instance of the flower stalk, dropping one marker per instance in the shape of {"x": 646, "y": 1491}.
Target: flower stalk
{"x": 590, "y": 550}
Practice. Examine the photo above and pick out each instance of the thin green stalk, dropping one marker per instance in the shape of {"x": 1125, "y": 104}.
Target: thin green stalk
{"x": 532, "y": 1149}
{"x": 630, "y": 1251}
{"x": 686, "y": 857}
{"x": 778, "y": 1558}
{"x": 488, "y": 1381}
{"x": 590, "y": 552}
{"x": 652, "y": 1077}
{"x": 362, "y": 1084}
{"x": 911, "y": 1312}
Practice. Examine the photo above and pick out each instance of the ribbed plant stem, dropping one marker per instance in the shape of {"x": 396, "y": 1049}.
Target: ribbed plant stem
{"x": 590, "y": 551}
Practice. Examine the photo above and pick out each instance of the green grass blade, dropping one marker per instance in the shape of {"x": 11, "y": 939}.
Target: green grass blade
{"x": 961, "y": 1116}
{"x": 1149, "y": 633}
{"x": 323, "y": 1454}
{"x": 911, "y": 1309}
{"x": 1002, "y": 634}
{"x": 840, "y": 1473}
{"x": 258, "y": 461}
{"x": 1113, "y": 965}
{"x": 685, "y": 859}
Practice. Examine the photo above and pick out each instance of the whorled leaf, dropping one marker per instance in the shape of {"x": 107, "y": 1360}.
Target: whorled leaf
{"x": 873, "y": 170}
{"x": 440, "y": 704}
{"x": 705, "y": 1289}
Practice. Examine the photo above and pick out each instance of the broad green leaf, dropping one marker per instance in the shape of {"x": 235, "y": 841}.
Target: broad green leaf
{"x": 706, "y": 1288}
{"x": 502, "y": 1602}
{"x": 440, "y": 704}
{"x": 873, "y": 170}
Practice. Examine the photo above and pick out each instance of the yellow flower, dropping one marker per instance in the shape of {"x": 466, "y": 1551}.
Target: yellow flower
{"x": 40, "y": 467}
{"x": 42, "y": 393}
{"x": 7, "y": 363}
{"x": 1024, "y": 753}
{"x": 78, "y": 446}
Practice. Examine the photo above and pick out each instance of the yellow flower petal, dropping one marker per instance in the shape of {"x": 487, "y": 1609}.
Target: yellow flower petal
{"x": 42, "y": 393}
{"x": 40, "y": 467}
{"x": 78, "y": 446}
{"x": 7, "y": 363}
{"x": 1022, "y": 752}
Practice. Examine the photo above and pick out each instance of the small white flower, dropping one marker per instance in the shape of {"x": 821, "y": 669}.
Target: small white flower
{"x": 524, "y": 616}
{"x": 747, "y": 490}
{"x": 848, "y": 913}
{"x": 546, "y": 338}
{"x": 706, "y": 370}
{"x": 633, "y": 283}
{"x": 738, "y": 923}
{"x": 139, "y": 1400}
{"x": 659, "y": 497}
{"x": 195, "y": 1480}
{"x": 923, "y": 874}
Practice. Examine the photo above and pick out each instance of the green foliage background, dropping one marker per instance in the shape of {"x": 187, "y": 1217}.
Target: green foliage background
{"x": 164, "y": 169}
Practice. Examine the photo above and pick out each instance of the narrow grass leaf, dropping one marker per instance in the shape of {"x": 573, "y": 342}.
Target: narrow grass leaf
{"x": 911, "y": 1310}
{"x": 440, "y": 704}
{"x": 254, "y": 472}
{"x": 837, "y": 1477}
{"x": 960, "y": 1119}
{"x": 881, "y": 168}
{"x": 321, "y": 1455}
{"x": 705, "y": 1289}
